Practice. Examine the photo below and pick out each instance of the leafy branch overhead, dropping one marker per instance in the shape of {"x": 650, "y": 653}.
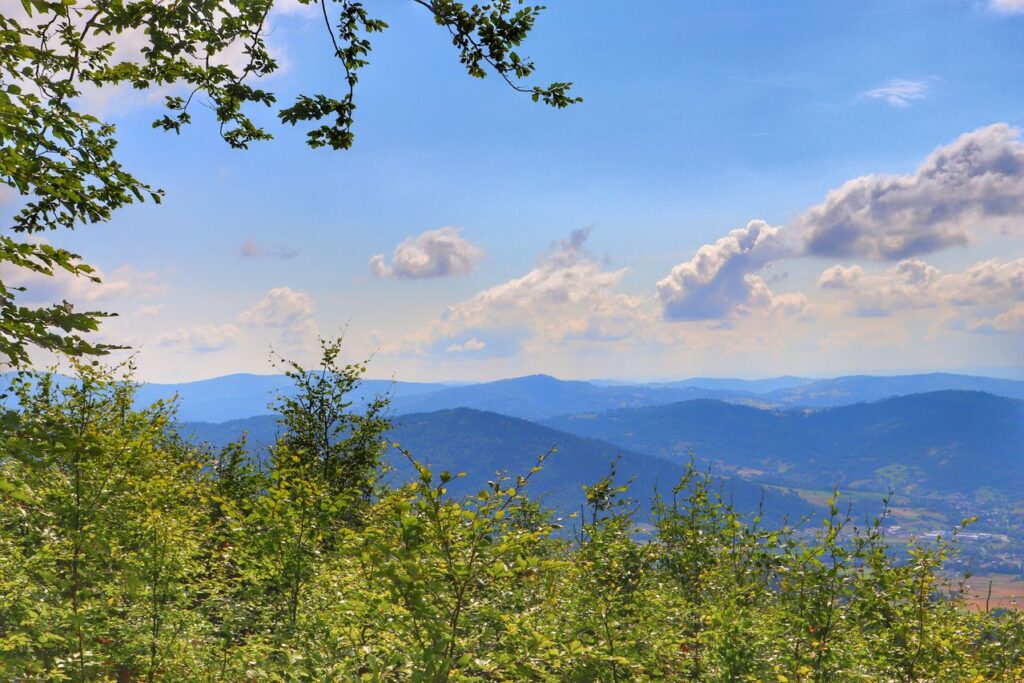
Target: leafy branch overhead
{"x": 62, "y": 159}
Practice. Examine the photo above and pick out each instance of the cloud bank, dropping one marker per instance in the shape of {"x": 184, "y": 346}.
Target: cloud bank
{"x": 286, "y": 313}
{"x": 963, "y": 190}
{"x": 200, "y": 339}
{"x": 1010, "y": 321}
{"x": 121, "y": 284}
{"x": 568, "y": 294}
{"x": 914, "y": 284}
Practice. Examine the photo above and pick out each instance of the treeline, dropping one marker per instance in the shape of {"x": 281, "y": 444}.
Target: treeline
{"x": 128, "y": 553}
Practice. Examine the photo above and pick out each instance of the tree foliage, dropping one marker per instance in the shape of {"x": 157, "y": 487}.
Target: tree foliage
{"x": 61, "y": 159}
{"x": 129, "y": 553}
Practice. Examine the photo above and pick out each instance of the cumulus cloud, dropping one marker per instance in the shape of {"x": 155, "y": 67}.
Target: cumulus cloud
{"x": 914, "y": 284}
{"x": 765, "y": 301}
{"x": 899, "y": 93}
{"x": 284, "y": 315}
{"x": 1008, "y": 6}
{"x": 567, "y": 295}
{"x": 121, "y": 284}
{"x": 434, "y": 253}
{"x": 1011, "y": 320}
{"x": 962, "y": 189}
{"x": 468, "y": 346}
{"x": 281, "y": 307}
{"x": 720, "y": 279}
{"x": 250, "y": 249}
{"x": 977, "y": 182}
{"x": 840, "y": 277}
{"x": 125, "y": 282}
{"x": 200, "y": 339}
{"x": 288, "y": 311}
{"x": 566, "y": 279}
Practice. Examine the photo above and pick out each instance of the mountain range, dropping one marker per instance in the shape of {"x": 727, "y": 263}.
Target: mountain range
{"x": 948, "y": 447}
{"x": 539, "y": 397}
{"x": 944, "y": 442}
{"x": 937, "y": 443}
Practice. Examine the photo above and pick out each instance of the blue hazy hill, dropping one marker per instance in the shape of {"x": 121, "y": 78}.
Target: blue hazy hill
{"x": 239, "y": 396}
{"x": 540, "y": 396}
{"x": 862, "y": 388}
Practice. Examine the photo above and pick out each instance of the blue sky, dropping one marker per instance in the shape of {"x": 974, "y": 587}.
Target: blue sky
{"x": 535, "y": 240}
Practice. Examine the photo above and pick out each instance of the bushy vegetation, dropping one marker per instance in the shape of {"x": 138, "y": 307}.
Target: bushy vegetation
{"x": 128, "y": 553}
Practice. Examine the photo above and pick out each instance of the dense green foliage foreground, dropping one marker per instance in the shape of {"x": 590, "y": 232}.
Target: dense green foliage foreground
{"x": 127, "y": 553}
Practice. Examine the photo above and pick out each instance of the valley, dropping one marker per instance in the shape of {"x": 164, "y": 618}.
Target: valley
{"x": 939, "y": 456}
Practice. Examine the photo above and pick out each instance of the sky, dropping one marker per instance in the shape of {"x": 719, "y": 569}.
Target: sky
{"x": 749, "y": 189}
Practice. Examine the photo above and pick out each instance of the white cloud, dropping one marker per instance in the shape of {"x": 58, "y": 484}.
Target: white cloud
{"x": 471, "y": 344}
{"x": 1011, "y": 320}
{"x": 200, "y": 339}
{"x": 986, "y": 281}
{"x": 280, "y": 307}
{"x": 899, "y": 93}
{"x": 1007, "y": 6}
{"x": 434, "y": 253}
{"x": 567, "y": 295}
{"x": 129, "y": 45}
{"x": 295, "y": 8}
{"x": 283, "y": 316}
{"x": 840, "y": 277}
{"x": 720, "y": 279}
{"x": 972, "y": 185}
{"x": 123, "y": 283}
{"x": 764, "y": 301}
{"x": 914, "y": 284}
{"x": 288, "y": 311}
{"x": 977, "y": 182}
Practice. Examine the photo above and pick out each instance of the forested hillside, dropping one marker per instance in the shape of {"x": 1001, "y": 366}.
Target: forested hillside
{"x": 482, "y": 444}
{"x": 935, "y": 443}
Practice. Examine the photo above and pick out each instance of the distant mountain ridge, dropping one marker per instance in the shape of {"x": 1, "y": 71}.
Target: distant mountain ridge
{"x": 539, "y": 397}
{"x": 866, "y": 388}
{"x": 754, "y": 386}
{"x": 238, "y": 396}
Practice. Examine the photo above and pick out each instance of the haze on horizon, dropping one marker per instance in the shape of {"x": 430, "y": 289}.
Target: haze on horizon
{"x": 798, "y": 188}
